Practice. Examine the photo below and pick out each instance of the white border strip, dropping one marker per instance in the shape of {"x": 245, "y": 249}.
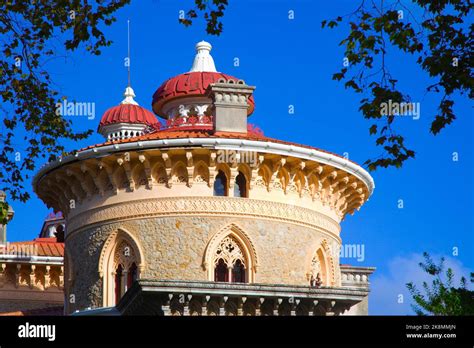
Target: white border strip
{"x": 219, "y": 143}
{"x": 40, "y": 259}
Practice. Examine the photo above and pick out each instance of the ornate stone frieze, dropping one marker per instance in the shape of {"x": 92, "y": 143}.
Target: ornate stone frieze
{"x": 77, "y": 183}
{"x": 205, "y": 206}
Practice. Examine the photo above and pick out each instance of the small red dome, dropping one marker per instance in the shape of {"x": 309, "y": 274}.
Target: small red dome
{"x": 128, "y": 113}
{"x": 190, "y": 84}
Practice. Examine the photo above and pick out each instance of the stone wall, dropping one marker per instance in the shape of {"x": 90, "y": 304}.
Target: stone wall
{"x": 174, "y": 249}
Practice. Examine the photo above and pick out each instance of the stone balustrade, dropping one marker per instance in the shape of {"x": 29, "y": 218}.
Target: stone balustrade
{"x": 356, "y": 276}
{"x": 153, "y": 297}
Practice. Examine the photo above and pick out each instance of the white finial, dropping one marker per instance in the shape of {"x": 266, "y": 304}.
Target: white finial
{"x": 129, "y": 95}
{"x": 203, "y": 60}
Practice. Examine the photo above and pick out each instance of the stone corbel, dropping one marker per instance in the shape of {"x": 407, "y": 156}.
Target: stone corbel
{"x": 167, "y": 161}
{"x": 61, "y": 195}
{"x": 71, "y": 172}
{"x": 110, "y": 175}
{"x": 276, "y": 168}
{"x": 190, "y": 168}
{"x": 146, "y": 165}
{"x": 222, "y": 304}
{"x": 67, "y": 187}
{"x": 212, "y": 168}
{"x": 128, "y": 173}
{"x": 85, "y": 168}
{"x": 253, "y": 176}
{"x": 205, "y": 301}
{"x": 32, "y": 276}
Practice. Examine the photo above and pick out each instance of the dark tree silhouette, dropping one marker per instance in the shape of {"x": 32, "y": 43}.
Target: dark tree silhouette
{"x": 441, "y": 39}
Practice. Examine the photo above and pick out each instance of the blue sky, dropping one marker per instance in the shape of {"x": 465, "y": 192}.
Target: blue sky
{"x": 291, "y": 63}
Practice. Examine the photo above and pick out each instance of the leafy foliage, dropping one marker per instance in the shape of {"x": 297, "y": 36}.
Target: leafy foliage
{"x": 29, "y": 31}
{"x": 3, "y": 213}
{"x": 442, "y": 42}
{"x": 212, "y": 13}
{"x": 441, "y": 298}
{"x": 441, "y": 39}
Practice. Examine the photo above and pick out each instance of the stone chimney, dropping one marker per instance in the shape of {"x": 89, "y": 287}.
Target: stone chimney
{"x": 230, "y": 105}
{"x": 3, "y": 227}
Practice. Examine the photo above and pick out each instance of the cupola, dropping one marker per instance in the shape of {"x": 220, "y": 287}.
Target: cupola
{"x": 127, "y": 120}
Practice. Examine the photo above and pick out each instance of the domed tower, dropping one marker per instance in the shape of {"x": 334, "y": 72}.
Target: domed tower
{"x": 205, "y": 215}
{"x": 127, "y": 120}
{"x": 186, "y": 99}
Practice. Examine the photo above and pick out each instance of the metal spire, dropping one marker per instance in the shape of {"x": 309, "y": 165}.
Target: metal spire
{"x": 129, "y": 93}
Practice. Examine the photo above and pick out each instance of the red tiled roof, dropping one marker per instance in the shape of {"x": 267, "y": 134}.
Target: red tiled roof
{"x": 44, "y": 246}
{"x": 175, "y": 133}
{"x": 128, "y": 113}
{"x": 189, "y": 84}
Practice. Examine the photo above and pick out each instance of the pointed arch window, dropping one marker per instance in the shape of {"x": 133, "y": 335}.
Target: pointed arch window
{"x": 230, "y": 262}
{"x": 125, "y": 269}
{"x": 221, "y": 273}
{"x": 240, "y": 187}
{"x": 319, "y": 273}
{"x": 238, "y": 272}
{"x": 220, "y": 184}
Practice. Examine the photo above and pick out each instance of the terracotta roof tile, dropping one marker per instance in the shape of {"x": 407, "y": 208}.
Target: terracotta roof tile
{"x": 175, "y": 133}
{"x": 128, "y": 113}
{"x": 189, "y": 84}
{"x": 44, "y": 246}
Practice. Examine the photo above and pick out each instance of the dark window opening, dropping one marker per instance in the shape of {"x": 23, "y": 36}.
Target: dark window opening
{"x": 240, "y": 188}
{"x": 131, "y": 275}
{"x": 220, "y": 184}
{"x": 221, "y": 272}
{"x": 238, "y": 272}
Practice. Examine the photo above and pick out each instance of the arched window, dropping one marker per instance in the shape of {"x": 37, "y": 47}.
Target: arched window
{"x": 220, "y": 184}
{"x": 221, "y": 272}
{"x": 121, "y": 263}
{"x": 229, "y": 262}
{"x": 238, "y": 272}
{"x": 319, "y": 274}
{"x": 240, "y": 187}
{"x": 125, "y": 269}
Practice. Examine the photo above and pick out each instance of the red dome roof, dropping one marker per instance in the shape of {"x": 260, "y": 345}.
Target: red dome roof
{"x": 128, "y": 113}
{"x": 189, "y": 84}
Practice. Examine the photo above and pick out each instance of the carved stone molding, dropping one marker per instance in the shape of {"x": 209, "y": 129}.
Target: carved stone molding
{"x": 203, "y": 206}
{"x": 76, "y": 183}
